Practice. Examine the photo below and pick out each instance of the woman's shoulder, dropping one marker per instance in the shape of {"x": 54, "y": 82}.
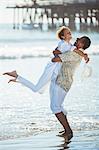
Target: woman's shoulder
{"x": 60, "y": 42}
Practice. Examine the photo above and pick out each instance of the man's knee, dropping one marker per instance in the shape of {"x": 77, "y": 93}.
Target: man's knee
{"x": 55, "y": 109}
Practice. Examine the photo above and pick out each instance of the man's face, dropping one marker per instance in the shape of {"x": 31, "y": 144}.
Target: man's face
{"x": 79, "y": 43}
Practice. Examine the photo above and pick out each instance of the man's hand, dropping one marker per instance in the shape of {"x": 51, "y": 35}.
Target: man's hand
{"x": 56, "y": 52}
{"x": 86, "y": 58}
{"x": 56, "y": 59}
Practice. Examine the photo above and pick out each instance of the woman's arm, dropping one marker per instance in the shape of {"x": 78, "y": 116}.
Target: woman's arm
{"x": 70, "y": 56}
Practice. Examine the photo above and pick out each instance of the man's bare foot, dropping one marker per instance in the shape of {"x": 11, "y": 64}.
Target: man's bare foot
{"x": 64, "y": 133}
{"x": 70, "y": 136}
{"x": 61, "y": 131}
{"x": 13, "y": 74}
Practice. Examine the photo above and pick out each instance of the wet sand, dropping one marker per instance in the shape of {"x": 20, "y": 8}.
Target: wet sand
{"x": 45, "y": 141}
{"x": 50, "y": 141}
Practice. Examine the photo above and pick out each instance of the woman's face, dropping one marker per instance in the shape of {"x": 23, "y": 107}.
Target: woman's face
{"x": 67, "y": 34}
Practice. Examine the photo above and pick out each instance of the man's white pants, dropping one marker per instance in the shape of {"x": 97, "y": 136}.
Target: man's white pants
{"x": 57, "y": 96}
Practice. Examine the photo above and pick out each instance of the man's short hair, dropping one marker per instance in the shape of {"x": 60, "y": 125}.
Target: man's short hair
{"x": 87, "y": 42}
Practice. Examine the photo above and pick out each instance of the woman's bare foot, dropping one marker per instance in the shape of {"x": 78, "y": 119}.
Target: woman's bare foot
{"x": 13, "y": 74}
{"x": 12, "y": 80}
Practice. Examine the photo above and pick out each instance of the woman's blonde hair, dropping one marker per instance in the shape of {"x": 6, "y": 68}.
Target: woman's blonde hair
{"x": 60, "y": 32}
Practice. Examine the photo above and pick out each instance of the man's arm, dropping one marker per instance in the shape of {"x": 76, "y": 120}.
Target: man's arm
{"x": 67, "y": 56}
{"x": 84, "y": 55}
{"x": 64, "y": 57}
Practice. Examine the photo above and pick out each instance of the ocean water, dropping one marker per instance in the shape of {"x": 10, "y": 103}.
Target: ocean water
{"x": 24, "y": 113}
{"x": 14, "y": 43}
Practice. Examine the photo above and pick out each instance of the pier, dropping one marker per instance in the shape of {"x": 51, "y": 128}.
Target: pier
{"x": 45, "y": 15}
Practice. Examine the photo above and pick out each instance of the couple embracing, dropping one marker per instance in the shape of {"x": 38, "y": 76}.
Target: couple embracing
{"x": 59, "y": 72}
